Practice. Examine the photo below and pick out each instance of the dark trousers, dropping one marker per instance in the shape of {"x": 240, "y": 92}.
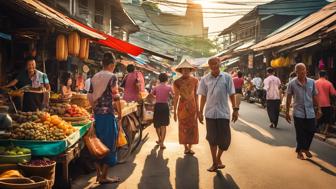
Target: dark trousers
{"x": 273, "y": 111}
{"x": 305, "y": 129}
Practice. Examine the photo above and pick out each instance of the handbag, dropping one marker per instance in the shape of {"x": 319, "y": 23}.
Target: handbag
{"x": 94, "y": 145}
{"x": 121, "y": 141}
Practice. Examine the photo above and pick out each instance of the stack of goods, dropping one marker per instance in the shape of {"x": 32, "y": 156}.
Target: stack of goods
{"x": 81, "y": 100}
{"x": 22, "y": 117}
{"x": 14, "y": 154}
{"x": 71, "y": 113}
{"x": 45, "y": 128}
{"x": 57, "y": 98}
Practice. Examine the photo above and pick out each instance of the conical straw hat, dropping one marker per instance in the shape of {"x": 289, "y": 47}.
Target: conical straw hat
{"x": 185, "y": 64}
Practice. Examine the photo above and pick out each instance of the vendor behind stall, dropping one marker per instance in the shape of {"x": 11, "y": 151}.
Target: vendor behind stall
{"x": 38, "y": 84}
{"x": 66, "y": 88}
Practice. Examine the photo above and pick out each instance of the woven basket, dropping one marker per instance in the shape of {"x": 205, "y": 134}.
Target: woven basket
{"x": 24, "y": 183}
{"x": 47, "y": 172}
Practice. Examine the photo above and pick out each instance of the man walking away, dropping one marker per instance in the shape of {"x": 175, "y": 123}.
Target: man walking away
{"x": 271, "y": 86}
{"x": 215, "y": 88}
{"x": 325, "y": 88}
{"x": 238, "y": 82}
{"x": 304, "y": 91}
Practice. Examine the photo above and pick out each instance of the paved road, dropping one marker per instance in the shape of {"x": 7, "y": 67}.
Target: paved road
{"x": 259, "y": 157}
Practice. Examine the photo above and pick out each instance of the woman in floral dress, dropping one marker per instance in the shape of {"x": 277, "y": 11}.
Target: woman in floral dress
{"x": 186, "y": 106}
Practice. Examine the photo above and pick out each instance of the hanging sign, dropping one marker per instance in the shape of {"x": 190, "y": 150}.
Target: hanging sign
{"x": 250, "y": 61}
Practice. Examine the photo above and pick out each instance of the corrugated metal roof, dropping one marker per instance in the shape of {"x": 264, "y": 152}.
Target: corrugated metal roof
{"x": 244, "y": 46}
{"x": 281, "y": 7}
{"x": 43, "y": 10}
{"x": 290, "y": 7}
{"x": 286, "y": 26}
{"x": 302, "y": 29}
{"x": 311, "y": 44}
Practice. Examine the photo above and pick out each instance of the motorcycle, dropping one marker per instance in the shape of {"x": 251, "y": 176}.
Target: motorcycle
{"x": 258, "y": 96}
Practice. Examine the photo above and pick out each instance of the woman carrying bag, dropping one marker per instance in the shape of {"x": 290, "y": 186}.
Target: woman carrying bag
{"x": 103, "y": 91}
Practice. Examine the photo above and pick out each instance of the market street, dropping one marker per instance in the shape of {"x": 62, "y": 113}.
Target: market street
{"x": 259, "y": 157}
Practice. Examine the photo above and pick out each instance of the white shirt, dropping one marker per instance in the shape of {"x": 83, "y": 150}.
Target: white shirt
{"x": 87, "y": 84}
{"x": 257, "y": 81}
{"x": 271, "y": 85}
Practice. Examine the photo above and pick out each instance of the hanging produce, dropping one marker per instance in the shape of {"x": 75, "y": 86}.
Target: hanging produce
{"x": 74, "y": 43}
{"x": 84, "y": 48}
{"x": 61, "y": 48}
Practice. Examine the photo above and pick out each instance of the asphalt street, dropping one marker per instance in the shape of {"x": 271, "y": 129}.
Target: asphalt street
{"x": 259, "y": 157}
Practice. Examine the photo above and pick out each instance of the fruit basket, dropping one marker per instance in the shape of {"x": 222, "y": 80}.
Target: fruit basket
{"x": 15, "y": 158}
{"x": 41, "y": 168}
{"x": 13, "y": 154}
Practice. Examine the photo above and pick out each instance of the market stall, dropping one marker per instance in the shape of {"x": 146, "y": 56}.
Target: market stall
{"x": 56, "y": 134}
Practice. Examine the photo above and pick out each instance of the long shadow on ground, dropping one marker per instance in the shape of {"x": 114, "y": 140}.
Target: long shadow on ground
{"x": 284, "y": 135}
{"x": 156, "y": 172}
{"x": 187, "y": 172}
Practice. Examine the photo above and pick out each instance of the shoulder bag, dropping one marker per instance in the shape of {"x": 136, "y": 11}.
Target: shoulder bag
{"x": 94, "y": 144}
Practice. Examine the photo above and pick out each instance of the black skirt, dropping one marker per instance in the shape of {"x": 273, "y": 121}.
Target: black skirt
{"x": 161, "y": 115}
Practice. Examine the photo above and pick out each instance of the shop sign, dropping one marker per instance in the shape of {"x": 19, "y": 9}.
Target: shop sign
{"x": 250, "y": 61}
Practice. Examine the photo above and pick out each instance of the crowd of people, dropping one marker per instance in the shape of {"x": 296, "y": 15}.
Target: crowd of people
{"x": 194, "y": 101}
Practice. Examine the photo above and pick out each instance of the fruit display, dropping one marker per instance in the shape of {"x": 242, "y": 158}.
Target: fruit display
{"x": 10, "y": 174}
{"x": 11, "y": 150}
{"x": 55, "y": 96}
{"x": 45, "y": 128}
{"x": 39, "y": 163}
{"x": 75, "y": 111}
{"x": 22, "y": 117}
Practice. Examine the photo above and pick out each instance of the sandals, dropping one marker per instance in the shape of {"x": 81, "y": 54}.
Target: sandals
{"x": 190, "y": 152}
{"x": 220, "y": 166}
{"x": 110, "y": 180}
{"x": 300, "y": 156}
{"x": 213, "y": 168}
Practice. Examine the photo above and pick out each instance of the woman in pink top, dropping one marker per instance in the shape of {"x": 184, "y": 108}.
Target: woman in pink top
{"x": 161, "y": 108}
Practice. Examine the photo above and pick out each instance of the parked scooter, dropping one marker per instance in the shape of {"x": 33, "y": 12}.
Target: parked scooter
{"x": 258, "y": 96}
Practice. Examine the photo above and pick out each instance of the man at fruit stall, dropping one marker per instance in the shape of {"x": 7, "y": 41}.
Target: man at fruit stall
{"x": 38, "y": 84}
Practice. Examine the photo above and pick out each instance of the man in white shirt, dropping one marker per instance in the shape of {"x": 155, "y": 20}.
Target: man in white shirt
{"x": 87, "y": 84}
{"x": 272, "y": 87}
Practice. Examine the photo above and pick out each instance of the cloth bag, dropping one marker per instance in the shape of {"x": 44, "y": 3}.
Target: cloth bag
{"x": 94, "y": 145}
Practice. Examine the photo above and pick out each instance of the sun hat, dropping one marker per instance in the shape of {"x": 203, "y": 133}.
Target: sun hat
{"x": 185, "y": 63}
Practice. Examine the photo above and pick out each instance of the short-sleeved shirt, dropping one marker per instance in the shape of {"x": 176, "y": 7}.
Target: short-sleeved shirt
{"x": 36, "y": 81}
{"x": 131, "y": 93}
{"x": 238, "y": 82}
{"x": 325, "y": 88}
{"x": 257, "y": 81}
{"x": 217, "y": 90}
{"x": 271, "y": 85}
{"x": 105, "y": 102}
{"x": 303, "y": 98}
{"x": 162, "y": 92}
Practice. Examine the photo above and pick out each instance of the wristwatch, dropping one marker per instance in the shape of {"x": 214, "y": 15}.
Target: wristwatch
{"x": 235, "y": 109}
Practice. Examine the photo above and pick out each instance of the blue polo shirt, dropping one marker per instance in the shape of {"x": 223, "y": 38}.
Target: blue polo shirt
{"x": 303, "y": 97}
{"x": 217, "y": 90}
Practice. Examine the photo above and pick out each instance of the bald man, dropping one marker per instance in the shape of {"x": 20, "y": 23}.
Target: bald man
{"x": 304, "y": 91}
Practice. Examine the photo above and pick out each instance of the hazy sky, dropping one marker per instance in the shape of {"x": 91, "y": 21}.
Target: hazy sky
{"x": 218, "y": 16}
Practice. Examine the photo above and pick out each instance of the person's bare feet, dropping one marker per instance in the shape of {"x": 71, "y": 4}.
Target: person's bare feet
{"x": 300, "y": 156}
{"x": 109, "y": 180}
{"x": 213, "y": 168}
{"x": 220, "y": 165}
